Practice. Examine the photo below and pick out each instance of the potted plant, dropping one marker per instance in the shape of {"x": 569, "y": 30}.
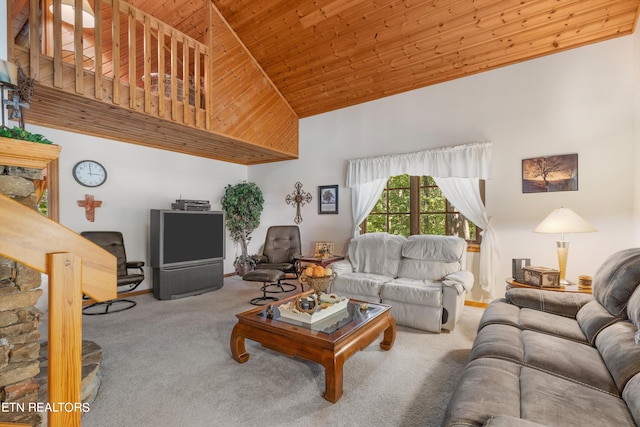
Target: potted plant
{"x": 22, "y": 135}
{"x": 242, "y": 204}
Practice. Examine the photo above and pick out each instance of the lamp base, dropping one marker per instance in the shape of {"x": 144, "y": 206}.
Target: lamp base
{"x": 563, "y": 253}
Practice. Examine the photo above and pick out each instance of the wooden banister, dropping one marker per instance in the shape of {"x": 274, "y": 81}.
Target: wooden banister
{"x": 75, "y": 266}
{"x": 43, "y": 237}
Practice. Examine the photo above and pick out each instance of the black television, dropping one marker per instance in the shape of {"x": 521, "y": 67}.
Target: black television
{"x": 183, "y": 238}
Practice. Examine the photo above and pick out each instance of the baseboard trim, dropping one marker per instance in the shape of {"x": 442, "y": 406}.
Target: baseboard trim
{"x": 476, "y": 304}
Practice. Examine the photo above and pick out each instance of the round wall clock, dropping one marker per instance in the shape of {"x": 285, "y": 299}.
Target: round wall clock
{"x": 89, "y": 173}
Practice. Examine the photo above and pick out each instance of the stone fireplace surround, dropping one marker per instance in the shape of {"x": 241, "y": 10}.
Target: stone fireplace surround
{"x": 19, "y": 318}
{"x": 23, "y": 359}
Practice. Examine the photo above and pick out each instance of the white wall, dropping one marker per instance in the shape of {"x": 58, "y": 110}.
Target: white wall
{"x": 138, "y": 179}
{"x": 636, "y": 133}
{"x": 580, "y": 101}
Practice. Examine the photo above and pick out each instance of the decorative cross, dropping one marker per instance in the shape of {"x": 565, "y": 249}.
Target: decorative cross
{"x": 16, "y": 106}
{"x": 89, "y": 205}
{"x": 298, "y": 198}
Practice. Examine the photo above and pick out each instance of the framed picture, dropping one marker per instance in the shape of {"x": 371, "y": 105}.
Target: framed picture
{"x": 328, "y": 199}
{"x": 553, "y": 173}
{"x": 323, "y": 250}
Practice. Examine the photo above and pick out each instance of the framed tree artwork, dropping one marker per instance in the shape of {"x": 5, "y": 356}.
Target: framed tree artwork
{"x": 552, "y": 173}
{"x": 328, "y": 199}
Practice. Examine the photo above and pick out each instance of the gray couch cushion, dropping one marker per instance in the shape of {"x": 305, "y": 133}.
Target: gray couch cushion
{"x": 421, "y": 292}
{"x": 631, "y": 395}
{"x": 593, "y": 318}
{"x": 366, "y": 286}
{"x": 620, "y": 352}
{"x": 561, "y": 303}
{"x": 377, "y": 253}
{"x": 508, "y": 421}
{"x": 493, "y": 386}
{"x": 432, "y": 257}
{"x": 616, "y": 280}
{"x": 501, "y": 312}
{"x": 568, "y": 359}
{"x": 633, "y": 308}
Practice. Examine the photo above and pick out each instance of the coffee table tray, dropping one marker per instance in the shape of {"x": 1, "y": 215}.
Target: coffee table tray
{"x": 289, "y": 311}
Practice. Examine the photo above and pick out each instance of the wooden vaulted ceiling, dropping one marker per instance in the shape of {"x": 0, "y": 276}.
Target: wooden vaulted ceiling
{"x": 275, "y": 61}
{"x": 323, "y": 55}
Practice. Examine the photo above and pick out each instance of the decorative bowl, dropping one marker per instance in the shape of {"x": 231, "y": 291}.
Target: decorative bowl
{"x": 318, "y": 284}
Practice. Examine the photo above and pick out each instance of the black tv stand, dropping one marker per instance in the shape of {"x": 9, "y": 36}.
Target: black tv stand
{"x": 184, "y": 281}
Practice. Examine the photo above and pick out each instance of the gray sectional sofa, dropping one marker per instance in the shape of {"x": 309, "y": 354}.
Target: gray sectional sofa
{"x": 557, "y": 359}
{"x": 422, "y": 278}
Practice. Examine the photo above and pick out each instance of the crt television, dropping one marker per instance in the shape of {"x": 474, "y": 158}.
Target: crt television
{"x": 183, "y": 238}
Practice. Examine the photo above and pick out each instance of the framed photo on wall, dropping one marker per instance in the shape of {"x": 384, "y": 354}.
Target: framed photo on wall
{"x": 552, "y": 173}
{"x": 328, "y": 199}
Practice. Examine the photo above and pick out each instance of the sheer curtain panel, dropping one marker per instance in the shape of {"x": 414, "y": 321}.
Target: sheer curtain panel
{"x": 464, "y": 194}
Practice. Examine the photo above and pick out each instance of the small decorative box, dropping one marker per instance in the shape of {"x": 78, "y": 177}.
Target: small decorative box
{"x": 542, "y": 277}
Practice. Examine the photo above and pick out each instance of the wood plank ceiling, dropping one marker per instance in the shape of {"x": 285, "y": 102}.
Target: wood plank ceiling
{"x": 323, "y": 55}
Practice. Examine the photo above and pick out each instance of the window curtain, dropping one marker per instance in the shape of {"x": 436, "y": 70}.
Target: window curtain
{"x": 468, "y": 163}
{"x": 463, "y": 161}
{"x": 464, "y": 194}
{"x": 363, "y": 199}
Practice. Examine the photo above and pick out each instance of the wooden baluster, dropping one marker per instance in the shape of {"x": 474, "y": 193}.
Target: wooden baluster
{"x": 185, "y": 81}
{"x": 97, "y": 60}
{"x": 147, "y": 63}
{"x": 78, "y": 48}
{"x": 161, "y": 65}
{"x": 115, "y": 52}
{"x": 132, "y": 59}
{"x": 65, "y": 338}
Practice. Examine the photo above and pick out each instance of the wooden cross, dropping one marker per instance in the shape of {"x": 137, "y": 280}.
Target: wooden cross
{"x": 298, "y": 198}
{"x": 16, "y": 106}
{"x": 89, "y": 205}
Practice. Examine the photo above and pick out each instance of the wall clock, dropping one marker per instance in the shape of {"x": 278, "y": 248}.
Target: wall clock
{"x": 89, "y": 173}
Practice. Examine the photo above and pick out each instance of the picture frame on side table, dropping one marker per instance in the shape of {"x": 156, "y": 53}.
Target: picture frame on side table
{"x": 551, "y": 173}
{"x": 328, "y": 199}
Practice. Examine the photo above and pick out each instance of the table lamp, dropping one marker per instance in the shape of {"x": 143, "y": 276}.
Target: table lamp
{"x": 561, "y": 221}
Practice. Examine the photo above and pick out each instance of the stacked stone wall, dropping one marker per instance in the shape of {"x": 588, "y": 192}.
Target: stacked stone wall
{"x": 19, "y": 319}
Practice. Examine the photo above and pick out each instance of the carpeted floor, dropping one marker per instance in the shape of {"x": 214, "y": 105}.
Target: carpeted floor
{"x": 168, "y": 363}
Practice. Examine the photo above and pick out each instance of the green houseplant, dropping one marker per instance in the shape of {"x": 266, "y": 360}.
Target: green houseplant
{"x": 23, "y": 135}
{"x": 242, "y": 204}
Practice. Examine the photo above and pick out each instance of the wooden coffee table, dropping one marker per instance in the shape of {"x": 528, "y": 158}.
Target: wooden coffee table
{"x": 330, "y": 347}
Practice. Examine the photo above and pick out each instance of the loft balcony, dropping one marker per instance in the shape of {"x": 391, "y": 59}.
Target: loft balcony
{"x": 132, "y": 78}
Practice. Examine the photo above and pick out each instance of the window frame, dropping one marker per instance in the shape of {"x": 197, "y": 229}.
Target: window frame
{"x": 415, "y": 213}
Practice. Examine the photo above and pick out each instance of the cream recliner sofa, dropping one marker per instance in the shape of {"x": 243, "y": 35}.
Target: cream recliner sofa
{"x": 422, "y": 277}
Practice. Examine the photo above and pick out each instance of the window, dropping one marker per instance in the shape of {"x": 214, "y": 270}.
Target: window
{"x": 415, "y": 205}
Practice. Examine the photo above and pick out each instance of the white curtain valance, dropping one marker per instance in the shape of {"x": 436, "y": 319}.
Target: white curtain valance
{"x": 462, "y": 161}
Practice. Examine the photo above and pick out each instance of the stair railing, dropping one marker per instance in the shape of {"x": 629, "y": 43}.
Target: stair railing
{"x": 75, "y": 267}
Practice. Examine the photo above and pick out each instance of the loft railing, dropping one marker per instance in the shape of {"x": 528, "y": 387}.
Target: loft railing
{"x": 46, "y": 246}
{"x": 127, "y": 58}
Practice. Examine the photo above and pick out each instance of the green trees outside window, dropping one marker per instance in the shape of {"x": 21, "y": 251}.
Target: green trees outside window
{"x": 415, "y": 205}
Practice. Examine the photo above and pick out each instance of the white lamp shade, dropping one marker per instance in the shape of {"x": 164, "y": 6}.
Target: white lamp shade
{"x": 68, "y": 13}
{"x": 564, "y": 220}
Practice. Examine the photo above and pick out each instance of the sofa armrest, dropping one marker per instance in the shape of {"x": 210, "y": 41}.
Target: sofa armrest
{"x": 341, "y": 267}
{"x": 135, "y": 264}
{"x": 260, "y": 259}
{"x": 461, "y": 280}
{"x": 561, "y": 303}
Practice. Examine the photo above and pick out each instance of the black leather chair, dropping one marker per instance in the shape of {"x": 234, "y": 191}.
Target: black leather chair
{"x": 282, "y": 251}
{"x": 113, "y": 242}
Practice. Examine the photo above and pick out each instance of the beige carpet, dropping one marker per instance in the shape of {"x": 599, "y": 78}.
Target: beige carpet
{"x": 168, "y": 363}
